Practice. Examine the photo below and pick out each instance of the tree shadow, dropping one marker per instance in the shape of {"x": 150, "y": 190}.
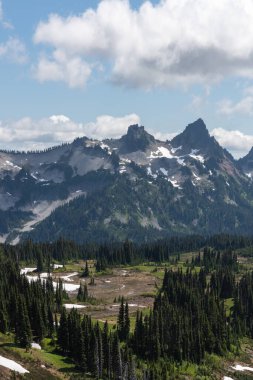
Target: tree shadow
{"x": 10, "y": 344}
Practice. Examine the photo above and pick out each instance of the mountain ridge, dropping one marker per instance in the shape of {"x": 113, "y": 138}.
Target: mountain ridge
{"x": 169, "y": 187}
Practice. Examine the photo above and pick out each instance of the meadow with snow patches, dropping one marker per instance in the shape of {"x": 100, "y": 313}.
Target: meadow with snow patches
{"x": 99, "y": 294}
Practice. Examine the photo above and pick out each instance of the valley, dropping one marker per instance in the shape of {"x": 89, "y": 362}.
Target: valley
{"x": 138, "y": 284}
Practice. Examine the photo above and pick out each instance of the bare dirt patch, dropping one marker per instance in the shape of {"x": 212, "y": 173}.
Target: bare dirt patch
{"x": 137, "y": 287}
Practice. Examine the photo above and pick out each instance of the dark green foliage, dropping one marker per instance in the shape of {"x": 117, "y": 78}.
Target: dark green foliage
{"x": 123, "y": 321}
{"x": 23, "y": 332}
{"x": 82, "y": 294}
{"x": 188, "y": 311}
{"x": 40, "y": 264}
{"x": 112, "y": 254}
{"x": 86, "y": 271}
{"x": 25, "y": 308}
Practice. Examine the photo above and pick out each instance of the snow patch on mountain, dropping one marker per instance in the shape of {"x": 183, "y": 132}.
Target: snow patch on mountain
{"x": 105, "y": 147}
{"x": 174, "y": 183}
{"x": 161, "y": 152}
{"x": 174, "y": 150}
{"x": 196, "y": 177}
{"x": 42, "y": 210}
{"x": 164, "y": 171}
{"x": 196, "y": 156}
{"x": 9, "y": 163}
{"x": 149, "y": 171}
{"x": 180, "y": 161}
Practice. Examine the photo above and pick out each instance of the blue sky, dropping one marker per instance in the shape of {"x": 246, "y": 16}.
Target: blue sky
{"x": 105, "y": 64}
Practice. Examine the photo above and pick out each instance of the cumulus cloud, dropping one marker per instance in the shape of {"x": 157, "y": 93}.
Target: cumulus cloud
{"x": 235, "y": 141}
{"x": 111, "y": 127}
{"x": 29, "y": 134}
{"x": 171, "y": 42}
{"x": 162, "y": 136}
{"x": 71, "y": 70}
{"x": 243, "y": 106}
{"x": 14, "y": 50}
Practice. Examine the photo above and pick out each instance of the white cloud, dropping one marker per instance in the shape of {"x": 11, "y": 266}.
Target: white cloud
{"x": 14, "y": 50}
{"x": 235, "y": 141}
{"x": 71, "y": 70}
{"x": 197, "y": 102}
{"x": 172, "y": 42}
{"x": 111, "y": 127}
{"x": 248, "y": 90}
{"x": 5, "y": 24}
{"x": 28, "y": 134}
{"x": 243, "y": 106}
{"x": 163, "y": 136}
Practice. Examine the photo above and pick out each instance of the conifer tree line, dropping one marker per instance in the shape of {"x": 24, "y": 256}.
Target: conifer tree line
{"x": 188, "y": 320}
{"x": 111, "y": 254}
{"x": 213, "y": 259}
{"x": 95, "y": 350}
{"x": 27, "y": 309}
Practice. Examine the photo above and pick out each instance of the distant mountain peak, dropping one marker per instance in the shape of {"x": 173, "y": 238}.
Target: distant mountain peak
{"x": 195, "y": 136}
{"x": 136, "y": 139}
{"x": 197, "y": 128}
{"x": 250, "y": 154}
{"x": 135, "y": 128}
{"x": 246, "y": 162}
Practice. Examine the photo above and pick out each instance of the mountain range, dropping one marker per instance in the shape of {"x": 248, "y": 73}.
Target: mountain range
{"x": 134, "y": 187}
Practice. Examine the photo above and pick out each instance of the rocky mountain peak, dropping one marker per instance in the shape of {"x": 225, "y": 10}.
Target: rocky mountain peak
{"x": 246, "y": 162}
{"x": 249, "y": 155}
{"x": 136, "y": 139}
{"x": 195, "y": 136}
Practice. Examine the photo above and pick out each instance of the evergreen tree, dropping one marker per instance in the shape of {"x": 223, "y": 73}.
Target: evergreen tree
{"x": 116, "y": 358}
{"x": 23, "y": 332}
{"x": 82, "y": 294}
{"x": 63, "y": 332}
{"x": 86, "y": 271}
{"x": 126, "y": 322}
{"x": 40, "y": 264}
{"x": 121, "y": 321}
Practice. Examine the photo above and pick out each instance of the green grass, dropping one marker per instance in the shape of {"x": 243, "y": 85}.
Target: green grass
{"x": 58, "y": 361}
{"x": 156, "y": 270}
{"x": 112, "y": 320}
{"x": 47, "y": 356}
{"x": 229, "y": 303}
{"x": 107, "y": 272}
